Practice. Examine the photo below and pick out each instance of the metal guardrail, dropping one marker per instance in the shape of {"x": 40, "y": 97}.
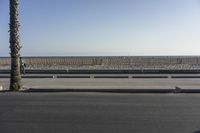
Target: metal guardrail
{"x": 117, "y": 76}
{"x": 121, "y": 71}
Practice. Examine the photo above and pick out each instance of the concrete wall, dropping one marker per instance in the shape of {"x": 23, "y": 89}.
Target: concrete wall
{"x": 112, "y": 61}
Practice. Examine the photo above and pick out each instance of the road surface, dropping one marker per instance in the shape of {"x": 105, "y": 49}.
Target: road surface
{"x": 99, "y": 113}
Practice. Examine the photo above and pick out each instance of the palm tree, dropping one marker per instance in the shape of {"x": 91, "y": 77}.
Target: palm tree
{"x": 15, "y": 77}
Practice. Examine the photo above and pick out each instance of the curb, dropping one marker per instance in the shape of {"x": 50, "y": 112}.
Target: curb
{"x": 176, "y": 90}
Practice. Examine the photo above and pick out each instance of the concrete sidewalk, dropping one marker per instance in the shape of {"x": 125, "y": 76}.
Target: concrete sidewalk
{"x": 108, "y": 85}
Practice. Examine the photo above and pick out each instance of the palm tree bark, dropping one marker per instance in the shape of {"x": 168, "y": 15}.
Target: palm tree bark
{"x": 15, "y": 77}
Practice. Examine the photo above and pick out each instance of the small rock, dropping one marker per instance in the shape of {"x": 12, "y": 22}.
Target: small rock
{"x": 177, "y": 90}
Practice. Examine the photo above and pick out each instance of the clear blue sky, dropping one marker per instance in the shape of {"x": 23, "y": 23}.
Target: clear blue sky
{"x": 105, "y": 27}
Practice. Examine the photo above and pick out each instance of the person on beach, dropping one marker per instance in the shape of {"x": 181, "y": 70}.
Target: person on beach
{"x": 22, "y": 66}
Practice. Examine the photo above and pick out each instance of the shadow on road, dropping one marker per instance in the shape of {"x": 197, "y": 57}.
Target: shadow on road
{"x": 196, "y": 131}
{"x": 4, "y": 91}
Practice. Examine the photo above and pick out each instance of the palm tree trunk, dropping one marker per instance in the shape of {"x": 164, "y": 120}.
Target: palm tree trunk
{"x": 15, "y": 77}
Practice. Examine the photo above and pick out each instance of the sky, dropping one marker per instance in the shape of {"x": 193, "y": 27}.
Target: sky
{"x": 104, "y": 27}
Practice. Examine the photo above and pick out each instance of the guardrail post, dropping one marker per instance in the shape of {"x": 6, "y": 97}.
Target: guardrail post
{"x": 54, "y": 76}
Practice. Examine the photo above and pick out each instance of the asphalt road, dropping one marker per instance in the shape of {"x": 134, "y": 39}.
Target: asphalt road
{"x": 99, "y": 113}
